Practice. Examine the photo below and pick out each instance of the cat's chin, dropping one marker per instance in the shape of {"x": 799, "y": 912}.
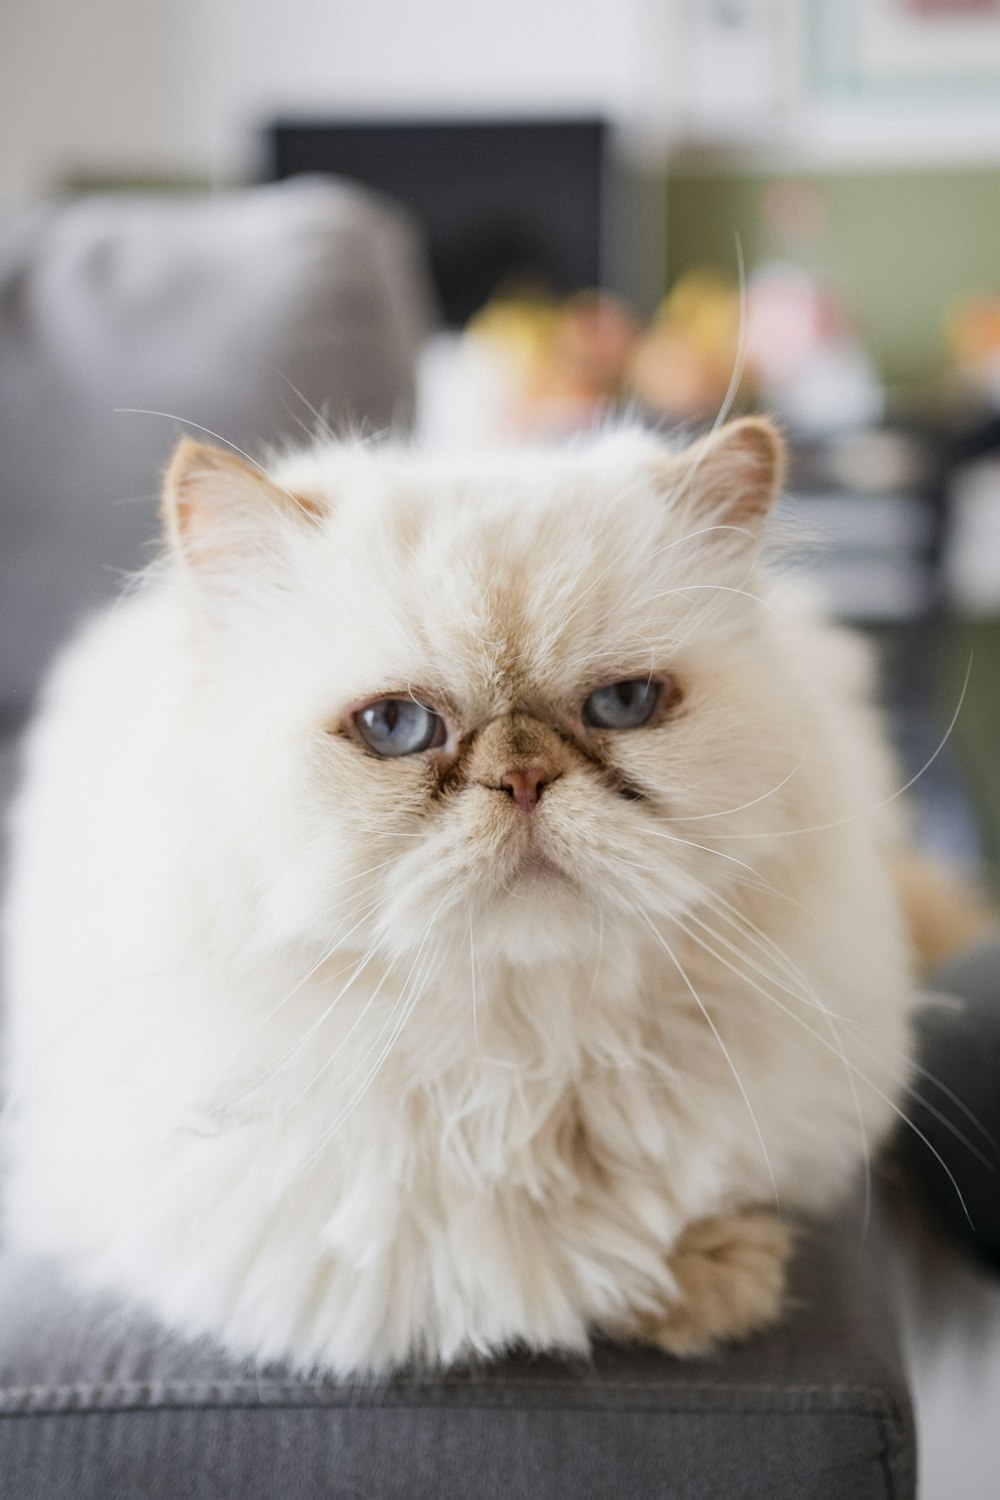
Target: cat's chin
{"x": 539, "y": 915}
{"x": 536, "y": 870}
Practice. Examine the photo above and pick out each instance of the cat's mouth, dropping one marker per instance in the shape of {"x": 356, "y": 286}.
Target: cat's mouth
{"x": 531, "y": 861}
{"x": 533, "y": 865}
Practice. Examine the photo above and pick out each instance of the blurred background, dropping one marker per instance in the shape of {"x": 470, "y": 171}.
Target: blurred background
{"x": 261, "y": 220}
{"x": 512, "y": 221}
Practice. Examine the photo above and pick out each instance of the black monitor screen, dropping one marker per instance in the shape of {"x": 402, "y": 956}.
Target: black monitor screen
{"x": 499, "y": 203}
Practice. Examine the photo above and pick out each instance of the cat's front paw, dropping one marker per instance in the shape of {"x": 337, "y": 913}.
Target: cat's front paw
{"x": 730, "y": 1272}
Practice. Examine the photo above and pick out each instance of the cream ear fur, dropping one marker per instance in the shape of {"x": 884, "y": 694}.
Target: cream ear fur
{"x": 736, "y": 472}
{"x": 217, "y": 507}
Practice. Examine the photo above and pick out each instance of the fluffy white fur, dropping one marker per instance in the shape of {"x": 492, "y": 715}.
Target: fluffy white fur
{"x": 303, "y": 1051}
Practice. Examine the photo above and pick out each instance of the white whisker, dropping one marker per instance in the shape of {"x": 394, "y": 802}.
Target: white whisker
{"x": 739, "y": 366}
{"x": 725, "y": 1051}
{"x": 143, "y": 411}
{"x": 714, "y": 588}
{"x": 472, "y": 973}
{"x": 321, "y": 421}
{"x": 675, "y": 838}
{"x": 727, "y": 811}
{"x": 866, "y": 812}
{"x": 838, "y": 1042}
{"x": 332, "y": 1057}
{"x": 273, "y": 1069}
{"x": 407, "y": 1011}
{"x": 799, "y": 1020}
{"x": 326, "y": 954}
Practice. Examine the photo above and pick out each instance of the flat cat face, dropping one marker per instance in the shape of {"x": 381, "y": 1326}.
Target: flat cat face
{"x": 502, "y": 693}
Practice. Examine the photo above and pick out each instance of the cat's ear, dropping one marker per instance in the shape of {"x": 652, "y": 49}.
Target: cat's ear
{"x": 219, "y": 510}
{"x": 734, "y": 475}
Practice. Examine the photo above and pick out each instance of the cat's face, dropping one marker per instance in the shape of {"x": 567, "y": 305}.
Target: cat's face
{"x": 495, "y": 697}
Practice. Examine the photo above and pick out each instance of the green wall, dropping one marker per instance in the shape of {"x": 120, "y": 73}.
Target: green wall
{"x": 900, "y": 244}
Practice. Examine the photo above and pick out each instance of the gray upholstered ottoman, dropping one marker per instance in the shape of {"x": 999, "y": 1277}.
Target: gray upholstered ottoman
{"x": 95, "y": 1405}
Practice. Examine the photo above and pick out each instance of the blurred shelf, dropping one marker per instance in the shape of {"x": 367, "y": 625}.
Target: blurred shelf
{"x": 865, "y": 557}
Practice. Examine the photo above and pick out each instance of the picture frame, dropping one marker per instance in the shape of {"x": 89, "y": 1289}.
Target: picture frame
{"x": 905, "y": 52}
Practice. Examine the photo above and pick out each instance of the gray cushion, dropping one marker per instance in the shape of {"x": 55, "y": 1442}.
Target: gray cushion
{"x": 215, "y": 310}
{"x": 97, "y": 1405}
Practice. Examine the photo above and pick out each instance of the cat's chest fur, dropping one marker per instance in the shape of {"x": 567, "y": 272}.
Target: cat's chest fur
{"x": 517, "y": 1168}
{"x": 509, "y": 1171}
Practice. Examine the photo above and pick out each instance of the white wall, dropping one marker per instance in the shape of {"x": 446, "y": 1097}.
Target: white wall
{"x": 182, "y": 84}
{"x": 79, "y": 84}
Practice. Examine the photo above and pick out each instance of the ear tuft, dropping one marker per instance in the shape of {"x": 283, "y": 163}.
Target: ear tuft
{"x": 218, "y": 508}
{"x": 736, "y": 473}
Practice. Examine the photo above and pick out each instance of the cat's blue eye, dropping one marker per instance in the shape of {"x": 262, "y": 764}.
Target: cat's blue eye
{"x": 399, "y": 726}
{"x": 622, "y": 705}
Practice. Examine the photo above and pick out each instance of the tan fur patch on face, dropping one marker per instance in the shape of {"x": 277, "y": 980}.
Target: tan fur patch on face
{"x": 514, "y": 743}
{"x": 313, "y": 505}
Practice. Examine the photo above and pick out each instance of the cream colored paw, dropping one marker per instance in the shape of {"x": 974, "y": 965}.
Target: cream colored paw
{"x": 730, "y": 1271}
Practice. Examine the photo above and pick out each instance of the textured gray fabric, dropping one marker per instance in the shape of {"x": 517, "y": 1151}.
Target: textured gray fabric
{"x": 215, "y": 310}
{"x": 398, "y": 1454}
{"x": 95, "y": 1404}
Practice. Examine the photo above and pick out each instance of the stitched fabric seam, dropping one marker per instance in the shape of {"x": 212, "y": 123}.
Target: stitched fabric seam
{"x": 256, "y": 1388}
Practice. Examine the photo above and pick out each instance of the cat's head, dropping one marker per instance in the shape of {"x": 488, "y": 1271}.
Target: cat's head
{"x": 509, "y": 696}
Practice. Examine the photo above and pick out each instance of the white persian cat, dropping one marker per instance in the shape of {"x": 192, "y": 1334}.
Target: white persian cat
{"x": 449, "y": 910}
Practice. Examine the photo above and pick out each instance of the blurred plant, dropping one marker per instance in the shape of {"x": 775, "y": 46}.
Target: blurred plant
{"x": 564, "y": 362}
{"x": 972, "y": 333}
{"x": 564, "y": 365}
{"x": 806, "y": 355}
{"x": 684, "y": 364}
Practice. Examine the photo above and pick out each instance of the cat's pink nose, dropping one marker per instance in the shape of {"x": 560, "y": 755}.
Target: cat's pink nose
{"x": 525, "y": 785}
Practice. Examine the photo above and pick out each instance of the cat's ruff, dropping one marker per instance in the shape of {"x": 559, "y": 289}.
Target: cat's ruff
{"x": 349, "y": 1059}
